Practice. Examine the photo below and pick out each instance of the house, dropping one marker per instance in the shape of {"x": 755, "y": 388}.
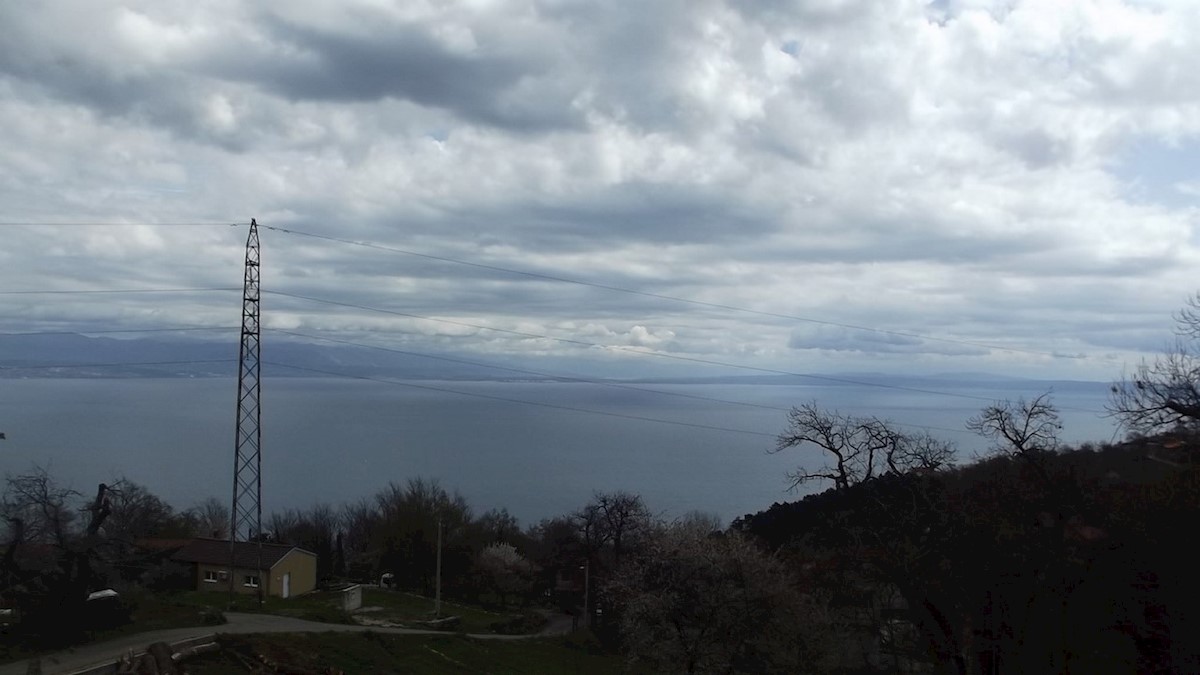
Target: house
{"x": 287, "y": 570}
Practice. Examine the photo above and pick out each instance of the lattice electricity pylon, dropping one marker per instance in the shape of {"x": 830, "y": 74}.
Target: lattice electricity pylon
{"x": 246, "y": 514}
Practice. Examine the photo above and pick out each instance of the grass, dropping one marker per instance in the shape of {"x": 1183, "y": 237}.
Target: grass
{"x": 396, "y": 607}
{"x": 182, "y": 609}
{"x": 410, "y": 609}
{"x": 317, "y": 606}
{"x": 426, "y": 654}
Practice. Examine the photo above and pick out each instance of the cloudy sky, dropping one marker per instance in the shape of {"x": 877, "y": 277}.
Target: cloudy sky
{"x": 835, "y": 185}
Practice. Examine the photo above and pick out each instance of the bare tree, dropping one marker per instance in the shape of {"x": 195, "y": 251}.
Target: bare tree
{"x": 137, "y": 513}
{"x": 1020, "y": 429}
{"x": 498, "y": 525}
{"x": 700, "y": 522}
{"x": 921, "y": 451}
{"x": 51, "y": 591}
{"x": 45, "y": 510}
{"x": 613, "y": 520}
{"x": 212, "y": 518}
{"x": 282, "y": 525}
{"x": 356, "y": 541}
{"x": 407, "y": 531}
{"x": 1164, "y": 394}
{"x": 359, "y": 519}
{"x": 314, "y": 530}
{"x": 856, "y": 449}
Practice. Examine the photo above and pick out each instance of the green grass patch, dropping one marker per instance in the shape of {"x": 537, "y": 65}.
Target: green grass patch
{"x": 426, "y": 654}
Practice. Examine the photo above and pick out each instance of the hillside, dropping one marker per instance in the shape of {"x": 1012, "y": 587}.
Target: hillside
{"x": 1076, "y": 562}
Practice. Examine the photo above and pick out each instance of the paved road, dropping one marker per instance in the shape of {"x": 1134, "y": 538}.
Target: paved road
{"x": 84, "y": 656}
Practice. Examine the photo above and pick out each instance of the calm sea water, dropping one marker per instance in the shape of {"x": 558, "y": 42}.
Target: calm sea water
{"x": 336, "y": 440}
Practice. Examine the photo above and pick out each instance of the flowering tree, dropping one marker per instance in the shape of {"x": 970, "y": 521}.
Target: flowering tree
{"x": 504, "y": 571}
{"x": 700, "y": 602}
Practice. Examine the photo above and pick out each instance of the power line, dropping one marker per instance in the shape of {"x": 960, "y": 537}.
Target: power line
{"x": 115, "y": 291}
{"x": 179, "y": 329}
{"x": 572, "y": 378}
{"x": 631, "y": 350}
{"x": 104, "y": 224}
{"x": 540, "y": 404}
{"x": 114, "y": 364}
{"x": 672, "y": 298}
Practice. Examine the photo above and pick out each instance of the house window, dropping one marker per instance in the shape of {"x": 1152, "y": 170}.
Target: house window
{"x": 250, "y": 580}
{"x": 210, "y": 577}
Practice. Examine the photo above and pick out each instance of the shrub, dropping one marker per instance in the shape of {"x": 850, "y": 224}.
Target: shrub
{"x": 211, "y": 616}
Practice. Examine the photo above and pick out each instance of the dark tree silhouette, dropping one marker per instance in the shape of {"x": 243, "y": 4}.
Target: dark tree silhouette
{"x": 1164, "y": 394}
{"x": 1022, "y": 429}
{"x": 856, "y": 449}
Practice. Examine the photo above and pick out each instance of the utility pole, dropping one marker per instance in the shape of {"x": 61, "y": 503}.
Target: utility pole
{"x": 246, "y": 514}
{"x": 437, "y": 593}
{"x": 587, "y": 591}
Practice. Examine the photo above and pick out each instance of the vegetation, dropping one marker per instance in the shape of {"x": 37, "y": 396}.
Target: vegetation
{"x": 429, "y": 655}
{"x": 412, "y": 610}
{"x": 1163, "y": 395}
{"x": 1039, "y": 557}
{"x": 856, "y": 449}
{"x": 698, "y": 601}
{"x": 1069, "y": 565}
{"x": 319, "y": 606}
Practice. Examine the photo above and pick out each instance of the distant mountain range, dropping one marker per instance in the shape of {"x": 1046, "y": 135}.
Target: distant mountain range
{"x": 81, "y": 356}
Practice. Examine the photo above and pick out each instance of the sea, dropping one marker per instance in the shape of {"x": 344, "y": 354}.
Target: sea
{"x": 537, "y": 448}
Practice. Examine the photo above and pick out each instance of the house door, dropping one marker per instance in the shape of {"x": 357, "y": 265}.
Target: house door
{"x": 287, "y": 584}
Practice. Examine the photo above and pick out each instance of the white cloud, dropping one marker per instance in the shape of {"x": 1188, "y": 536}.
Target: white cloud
{"x": 950, "y": 169}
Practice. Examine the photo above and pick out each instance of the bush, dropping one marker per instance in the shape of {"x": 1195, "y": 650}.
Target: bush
{"x": 211, "y": 616}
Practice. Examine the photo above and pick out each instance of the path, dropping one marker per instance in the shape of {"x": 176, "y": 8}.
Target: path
{"x": 83, "y": 656}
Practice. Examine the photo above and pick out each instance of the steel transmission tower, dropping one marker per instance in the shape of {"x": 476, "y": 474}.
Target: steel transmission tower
{"x": 246, "y": 514}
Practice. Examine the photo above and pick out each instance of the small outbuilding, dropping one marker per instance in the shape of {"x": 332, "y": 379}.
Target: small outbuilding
{"x": 286, "y": 570}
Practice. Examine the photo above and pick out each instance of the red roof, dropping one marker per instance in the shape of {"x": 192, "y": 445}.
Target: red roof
{"x": 245, "y": 554}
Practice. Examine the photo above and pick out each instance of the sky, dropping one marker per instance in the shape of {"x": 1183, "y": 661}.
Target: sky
{"x": 811, "y": 186}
